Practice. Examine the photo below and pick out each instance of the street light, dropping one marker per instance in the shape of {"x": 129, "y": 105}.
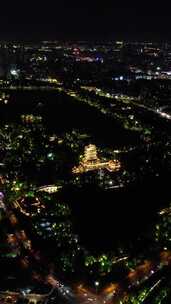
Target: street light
{"x": 96, "y": 283}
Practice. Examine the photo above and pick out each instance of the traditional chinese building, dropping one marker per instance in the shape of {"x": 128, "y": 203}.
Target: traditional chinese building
{"x": 91, "y": 161}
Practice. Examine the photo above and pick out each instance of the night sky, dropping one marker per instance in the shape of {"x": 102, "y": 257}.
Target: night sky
{"x": 34, "y": 19}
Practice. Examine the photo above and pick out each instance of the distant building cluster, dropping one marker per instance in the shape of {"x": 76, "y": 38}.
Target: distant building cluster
{"x": 52, "y": 63}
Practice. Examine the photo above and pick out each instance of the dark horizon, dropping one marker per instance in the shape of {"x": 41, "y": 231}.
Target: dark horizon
{"x": 66, "y": 21}
{"x": 89, "y": 40}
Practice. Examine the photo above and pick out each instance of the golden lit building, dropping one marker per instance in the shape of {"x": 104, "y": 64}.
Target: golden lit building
{"x": 92, "y": 162}
{"x": 49, "y": 189}
{"x": 13, "y": 297}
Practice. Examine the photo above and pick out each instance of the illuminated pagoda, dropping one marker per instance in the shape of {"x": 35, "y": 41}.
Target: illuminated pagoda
{"x": 91, "y": 162}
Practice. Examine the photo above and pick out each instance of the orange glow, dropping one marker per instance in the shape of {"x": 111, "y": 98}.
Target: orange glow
{"x": 132, "y": 275}
{"x": 112, "y": 288}
{"x": 13, "y": 219}
{"x": 24, "y": 262}
{"x": 52, "y": 281}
